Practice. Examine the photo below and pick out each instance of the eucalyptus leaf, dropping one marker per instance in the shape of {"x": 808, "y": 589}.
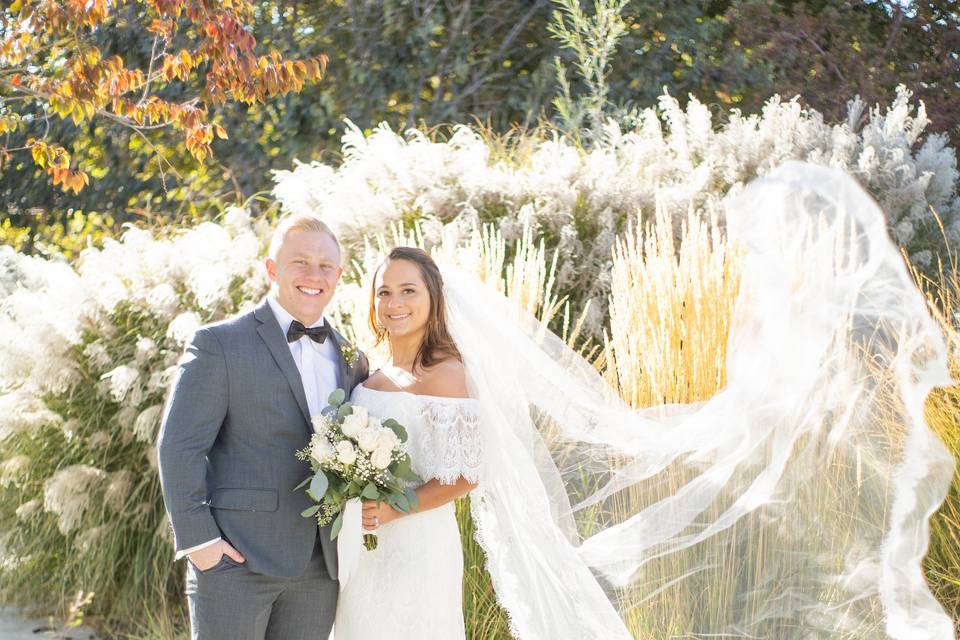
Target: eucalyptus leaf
{"x": 318, "y": 486}
{"x": 403, "y": 467}
{"x": 305, "y": 482}
{"x": 344, "y": 411}
{"x": 411, "y": 497}
{"x": 334, "y": 495}
{"x": 370, "y": 492}
{"x": 337, "y": 397}
{"x": 397, "y": 428}
{"x": 310, "y": 511}
{"x": 391, "y": 499}
{"x": 337, "y": 525}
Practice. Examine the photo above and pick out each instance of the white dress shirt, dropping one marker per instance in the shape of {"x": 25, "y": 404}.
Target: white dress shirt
{"x": 317, "y": 364}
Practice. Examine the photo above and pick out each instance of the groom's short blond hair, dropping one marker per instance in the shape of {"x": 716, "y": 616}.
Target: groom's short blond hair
{"x": 299, "y": 222}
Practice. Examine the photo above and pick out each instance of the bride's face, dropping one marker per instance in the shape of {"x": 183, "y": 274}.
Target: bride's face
{"x": 402, "y": 301}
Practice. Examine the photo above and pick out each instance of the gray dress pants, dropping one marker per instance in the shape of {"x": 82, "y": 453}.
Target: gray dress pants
{"x": 230, "y": 602}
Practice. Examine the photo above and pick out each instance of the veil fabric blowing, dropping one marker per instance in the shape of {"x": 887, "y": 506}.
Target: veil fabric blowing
{"x": 792, "y": 504}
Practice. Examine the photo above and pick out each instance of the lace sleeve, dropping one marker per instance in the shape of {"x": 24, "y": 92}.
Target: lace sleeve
{"x": 450, "y": 441}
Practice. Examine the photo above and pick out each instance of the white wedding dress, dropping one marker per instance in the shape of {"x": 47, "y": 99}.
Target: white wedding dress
{"x": 411, "y": 586}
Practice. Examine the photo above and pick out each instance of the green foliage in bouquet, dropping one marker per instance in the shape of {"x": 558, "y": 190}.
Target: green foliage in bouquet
{"x": 355, "y": 455}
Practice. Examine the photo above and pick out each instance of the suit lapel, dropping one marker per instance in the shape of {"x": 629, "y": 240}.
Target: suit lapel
{"x": 272, "y": 335}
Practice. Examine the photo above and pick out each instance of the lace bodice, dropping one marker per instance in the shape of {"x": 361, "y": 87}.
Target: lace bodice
{"x": 444, "y": 433}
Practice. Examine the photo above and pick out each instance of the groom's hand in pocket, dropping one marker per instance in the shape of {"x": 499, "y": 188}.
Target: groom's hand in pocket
{"x": 209, "y": 556}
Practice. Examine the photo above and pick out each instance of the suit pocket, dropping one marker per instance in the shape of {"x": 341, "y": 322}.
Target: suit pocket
{"x": 244, "y": 499}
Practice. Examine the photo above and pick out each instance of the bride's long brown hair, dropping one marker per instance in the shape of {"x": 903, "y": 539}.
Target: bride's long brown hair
{"x": 437, "y": 343}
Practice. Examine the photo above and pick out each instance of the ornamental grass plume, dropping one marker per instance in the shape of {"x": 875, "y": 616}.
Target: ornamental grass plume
{"x": 674, "y": 161}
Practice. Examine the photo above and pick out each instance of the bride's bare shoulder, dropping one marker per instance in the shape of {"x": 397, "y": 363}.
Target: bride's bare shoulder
{"x": 446, "y": 379}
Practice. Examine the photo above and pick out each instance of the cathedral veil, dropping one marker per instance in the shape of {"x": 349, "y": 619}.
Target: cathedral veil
{"x": 791, "y": 504}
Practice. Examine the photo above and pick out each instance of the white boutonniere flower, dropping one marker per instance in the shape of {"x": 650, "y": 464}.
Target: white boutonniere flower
{"x": 349, "y": 353}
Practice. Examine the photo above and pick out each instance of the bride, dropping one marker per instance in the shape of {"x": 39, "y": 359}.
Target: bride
{"x": 792, "y": 504}
{"x": 410, "y": 586}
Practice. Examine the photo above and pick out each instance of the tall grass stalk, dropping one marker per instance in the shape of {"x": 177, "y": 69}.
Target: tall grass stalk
{"x": 670, "y": 310}
{"x": 670, "y": 313}
{"x": 942, "y": 411}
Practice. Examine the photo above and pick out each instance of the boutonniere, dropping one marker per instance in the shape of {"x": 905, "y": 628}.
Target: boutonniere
{"x": 349, "y": 353}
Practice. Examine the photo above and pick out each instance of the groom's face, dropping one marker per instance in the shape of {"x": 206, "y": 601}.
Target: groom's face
{"x": 305, "y": 273}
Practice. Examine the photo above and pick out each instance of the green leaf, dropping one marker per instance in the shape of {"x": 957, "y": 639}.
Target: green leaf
{"x": 404, "y": 472}
{"x": 397, "y": 428}
{"x": 402, "y": 467}
{"x": 391, "y": 499}
{"x": 302, "y": 484}
{"x": 337, "y": 525}
{"x": 411, "y": 497}
{"x": 337, "y": 397}
{"x": 344, "y": 411}
{"x": 370, "y": 492}
{"x": 310, "y": 511}
{"x": 334, "y": 496}
{"x": 400, "y": 502}
{"x": 318, "y": 486}
{"x": 334, "y": 504}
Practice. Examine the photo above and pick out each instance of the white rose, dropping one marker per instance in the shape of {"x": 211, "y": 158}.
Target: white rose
{"x": 368, "y": 438}
{"x": 381, "y": 458}
{"x": 321, "y": 450}
{"x": 352, "y": 425}
{"x": 387, "y": 439}
{"x": 374, "y": 421}
{"x": 346, "y": 454}
{"x": 361, "y": 413}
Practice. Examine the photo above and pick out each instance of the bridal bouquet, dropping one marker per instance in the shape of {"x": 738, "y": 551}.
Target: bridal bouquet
{"x": 356, "y": 455}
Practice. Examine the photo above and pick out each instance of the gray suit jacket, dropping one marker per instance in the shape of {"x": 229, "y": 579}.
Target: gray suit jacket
{"x": 235, "y": 416}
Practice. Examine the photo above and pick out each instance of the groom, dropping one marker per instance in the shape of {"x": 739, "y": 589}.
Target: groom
{"x": 239, "y": 409}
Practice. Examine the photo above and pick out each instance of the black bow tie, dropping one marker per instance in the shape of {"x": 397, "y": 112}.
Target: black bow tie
{"x": 297, "y": 331}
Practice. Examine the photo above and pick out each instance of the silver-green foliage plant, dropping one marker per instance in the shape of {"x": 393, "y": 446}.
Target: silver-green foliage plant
{"x": 675, "y": 160}
{"x": 593, "y": 41}
{"x": 88, "y": 353}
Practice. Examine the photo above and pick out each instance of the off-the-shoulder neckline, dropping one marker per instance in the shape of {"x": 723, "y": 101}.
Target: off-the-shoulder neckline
{"x": 417, "y": 395}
